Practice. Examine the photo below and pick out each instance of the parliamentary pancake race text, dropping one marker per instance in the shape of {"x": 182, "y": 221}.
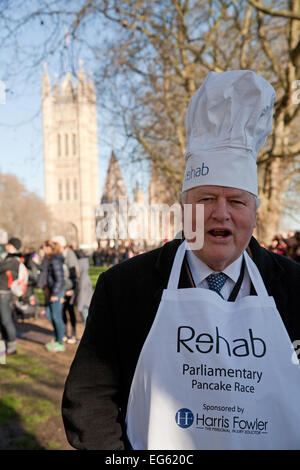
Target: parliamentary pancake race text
{"x": 204, "y": 380}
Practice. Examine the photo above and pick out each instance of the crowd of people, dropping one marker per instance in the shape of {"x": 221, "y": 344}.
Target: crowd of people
{"x": 286, "y": 244}
{"x": 63, "y": 274}
{"x": 109, "y": 256}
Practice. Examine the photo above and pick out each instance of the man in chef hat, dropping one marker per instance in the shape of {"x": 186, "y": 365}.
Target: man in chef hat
{"x": 191, "y": 348}
{"x": 228, "y": 120}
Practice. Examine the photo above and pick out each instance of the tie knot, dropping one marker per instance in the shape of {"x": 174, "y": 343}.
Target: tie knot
{"x": 216, "y": 282}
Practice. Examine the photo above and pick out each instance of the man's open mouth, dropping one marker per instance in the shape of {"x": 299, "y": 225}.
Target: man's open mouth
{"x": 220, "y": 233}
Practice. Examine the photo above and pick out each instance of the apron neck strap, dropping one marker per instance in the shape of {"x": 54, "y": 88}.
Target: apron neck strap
{"x": 176, "y": 267}
{"x": 237, "y": 286}
{"x": 253, "y": 272}
{"x": 255, "y": 277}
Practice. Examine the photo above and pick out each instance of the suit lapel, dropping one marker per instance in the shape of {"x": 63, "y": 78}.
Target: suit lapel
{"x": 271, "y": 271}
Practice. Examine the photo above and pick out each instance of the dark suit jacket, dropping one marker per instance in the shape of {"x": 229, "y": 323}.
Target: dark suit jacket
{"x": 122, "y": 310}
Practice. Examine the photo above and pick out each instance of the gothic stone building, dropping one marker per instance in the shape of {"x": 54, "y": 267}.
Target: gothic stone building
{"x": 71, "y": 163}
{"x": 71, "y": 156}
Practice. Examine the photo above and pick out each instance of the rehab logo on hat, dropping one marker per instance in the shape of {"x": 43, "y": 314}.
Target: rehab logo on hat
{"x": 228, "y": 121}
{"x": 197, "y": 172}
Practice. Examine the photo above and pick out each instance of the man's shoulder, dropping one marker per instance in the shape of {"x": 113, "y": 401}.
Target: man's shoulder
{"x": 287, "y": 264}
{"x": 141, "y": 261}
{"x": 278, "y": 264}
{"x": 12, "y": 259}
{"x": 144, "y": 264}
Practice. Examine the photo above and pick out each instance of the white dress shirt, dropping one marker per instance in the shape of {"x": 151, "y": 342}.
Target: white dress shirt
{"x": 200, "y": 271}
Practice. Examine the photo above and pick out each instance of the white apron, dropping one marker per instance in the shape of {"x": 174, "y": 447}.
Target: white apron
{"x": 214, "y": 374}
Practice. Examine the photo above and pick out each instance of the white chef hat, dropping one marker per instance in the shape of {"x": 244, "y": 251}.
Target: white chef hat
{"x": 228, "y": 120}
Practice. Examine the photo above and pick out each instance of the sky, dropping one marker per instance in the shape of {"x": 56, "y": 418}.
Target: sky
{"x": 21, "y": 141}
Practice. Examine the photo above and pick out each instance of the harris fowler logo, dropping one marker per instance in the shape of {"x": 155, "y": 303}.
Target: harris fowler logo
{"x": 185, "y": 418}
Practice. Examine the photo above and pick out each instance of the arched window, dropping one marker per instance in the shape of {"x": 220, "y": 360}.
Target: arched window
{"x": 67, "y": 189}
{"x": 66, "y": 145}
{"x": 60, "y": 190}
{"x": 58, "y": 145}
{"x": 75, "y": 194}
{"x": 74, "y": 143}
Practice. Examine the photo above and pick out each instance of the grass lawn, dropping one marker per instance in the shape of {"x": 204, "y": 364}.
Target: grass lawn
{"x": 23, "y": 408}
{"x": 95, "y": 272}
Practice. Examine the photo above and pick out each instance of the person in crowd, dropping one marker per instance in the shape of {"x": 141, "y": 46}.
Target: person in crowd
{"x": 32, "y": 262}
{"x": 71, "y": 273}
{"x": 293, "y": 246}
{"x": 84, "y": 291}
{"x": 187, "y": 346}
{"x": 42, "y": 276}
{"x": 279, "y": 245}
{"x": 97, "y": 257}
{"x": 9, "y": 268}
{"x": 54, "y": 289}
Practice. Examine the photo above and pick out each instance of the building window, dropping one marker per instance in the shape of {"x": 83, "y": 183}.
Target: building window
{"x": 74, "y": 144}
{"x": 60, "y": 191}
{"x": 66, "y": 145}
{"x": 75, "y": 189}
{"x": 58, "y": 145}
{"x": 67, "y": 190}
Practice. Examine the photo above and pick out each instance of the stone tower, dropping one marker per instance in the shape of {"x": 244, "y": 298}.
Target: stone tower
{"x": 71, "y": 156}
{"x": 114, "y": 195}
{"x": 114, "y": 185}
{"x": 139, "y": 195}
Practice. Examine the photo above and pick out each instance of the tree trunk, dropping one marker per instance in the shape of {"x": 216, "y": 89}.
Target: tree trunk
{"x": 270, "y": 211}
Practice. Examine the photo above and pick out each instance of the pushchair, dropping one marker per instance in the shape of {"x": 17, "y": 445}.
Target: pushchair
{"x": 28, "y": 306}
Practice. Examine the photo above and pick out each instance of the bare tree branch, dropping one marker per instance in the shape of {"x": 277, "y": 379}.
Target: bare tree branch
{"x": 269, "y": 11}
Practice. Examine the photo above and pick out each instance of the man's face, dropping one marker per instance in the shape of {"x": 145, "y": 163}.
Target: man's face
{"x": 229, "y": 220}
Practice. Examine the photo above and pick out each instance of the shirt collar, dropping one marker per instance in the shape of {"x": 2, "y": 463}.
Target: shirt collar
{"x": 200, "y": 270}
